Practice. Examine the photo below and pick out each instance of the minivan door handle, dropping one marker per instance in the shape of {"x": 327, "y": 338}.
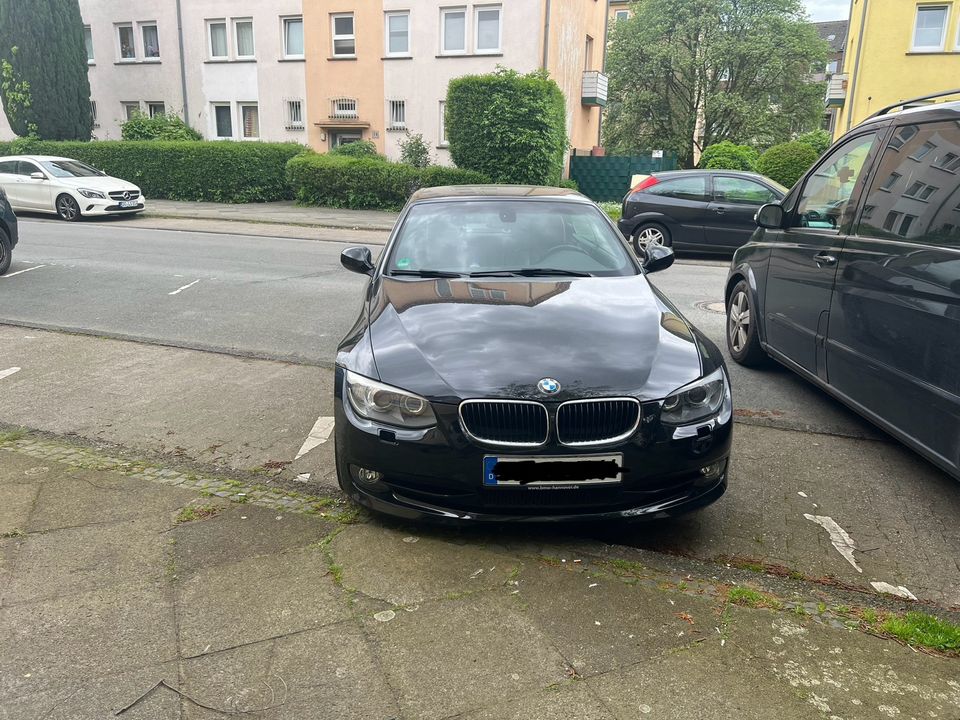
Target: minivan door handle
{"x": 824, "y": 259}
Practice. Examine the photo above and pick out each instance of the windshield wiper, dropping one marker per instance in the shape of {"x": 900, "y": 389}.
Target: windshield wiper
{"x": 427, "y": 273}
{"x": 530, "y": 272}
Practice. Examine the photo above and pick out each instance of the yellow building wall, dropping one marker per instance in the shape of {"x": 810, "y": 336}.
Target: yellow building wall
{"x": 360, "y": 78}
{"x": 889, "y": 71}
{"x": 571, "y": 21}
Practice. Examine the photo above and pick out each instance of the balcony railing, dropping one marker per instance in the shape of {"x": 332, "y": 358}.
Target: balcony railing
{"x": 836, "y": 91}
{"x": 594, "y": 88}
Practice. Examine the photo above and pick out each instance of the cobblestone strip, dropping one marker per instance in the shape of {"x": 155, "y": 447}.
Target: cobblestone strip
{"x": 233, "y": 490}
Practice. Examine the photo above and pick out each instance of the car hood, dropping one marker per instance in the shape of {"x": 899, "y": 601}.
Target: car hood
{"x": 103, "y": 183}
{"x": 454, "y": 339}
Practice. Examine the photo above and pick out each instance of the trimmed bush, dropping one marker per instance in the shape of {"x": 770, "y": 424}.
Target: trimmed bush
{"x": 510, "y": 127}
{"x": 819, "y": 140}
{"x": 366, "y": 183}
{"x": 728, "y": 156}
{"x": 358, "y": 149}
{"x": 158, "y": 127}
{"x": 414, "y": 150}
{"x": 787, "y": 162}
{"x": 228, "y": 172}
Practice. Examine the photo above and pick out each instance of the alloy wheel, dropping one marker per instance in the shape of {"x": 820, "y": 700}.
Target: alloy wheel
{"x": 649, "y": 237}
{"x": 738, "y": 322}
{"x": 67, "y": 208}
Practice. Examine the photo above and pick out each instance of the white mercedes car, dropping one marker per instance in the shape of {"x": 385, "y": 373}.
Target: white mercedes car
{"x": 69, "y": 188}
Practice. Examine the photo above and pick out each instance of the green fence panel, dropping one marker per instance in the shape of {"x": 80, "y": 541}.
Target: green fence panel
{"x": 607, "y": 177}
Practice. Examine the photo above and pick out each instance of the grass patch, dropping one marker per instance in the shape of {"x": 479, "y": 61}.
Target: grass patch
{"x": 917, "y": 628}
{"x": 748, "y": 597}
{"x": 628, "y": 567}
{"x": 11, "y": 436}
{"x": 15, "y": 533}
{"x": 336, "y": 571}
{"x": 612, "y": 209}
{"x": 192, "y": 513}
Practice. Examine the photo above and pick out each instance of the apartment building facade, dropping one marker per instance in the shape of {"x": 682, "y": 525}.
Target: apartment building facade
{"x": 895, "y": 50}
{"x": 377, "y": 69}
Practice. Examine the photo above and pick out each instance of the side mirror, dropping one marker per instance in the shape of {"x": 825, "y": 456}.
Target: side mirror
{"x": 770, "y": 216}
{"x": 658, "y": 258}
{"x": 358, "y": 260}
{"x": 37, "y": 176}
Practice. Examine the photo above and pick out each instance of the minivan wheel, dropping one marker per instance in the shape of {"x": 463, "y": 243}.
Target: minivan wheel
{"x": 6, "y": 254}
{"x": 67, "y": 208}
{"x": 648, "y": 235}
{"x": 742, "y": 339}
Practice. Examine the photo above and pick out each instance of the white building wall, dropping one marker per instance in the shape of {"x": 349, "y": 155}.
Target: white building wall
{"x": 422, "y": 80}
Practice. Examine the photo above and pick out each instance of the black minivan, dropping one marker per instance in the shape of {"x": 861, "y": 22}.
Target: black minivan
{"x": 853, "y": 280}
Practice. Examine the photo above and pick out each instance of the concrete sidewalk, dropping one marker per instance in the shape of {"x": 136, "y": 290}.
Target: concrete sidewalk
{"x": 278, "y": 213}
{"x": 117, "y": 575}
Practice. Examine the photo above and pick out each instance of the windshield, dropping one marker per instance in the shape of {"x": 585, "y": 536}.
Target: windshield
{"x": 69, "y": 168}
{"x": 509, "y": 237}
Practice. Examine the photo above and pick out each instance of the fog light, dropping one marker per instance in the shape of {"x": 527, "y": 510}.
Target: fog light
{"x": 713, "y": 470}
{"x": 367, "y": 477}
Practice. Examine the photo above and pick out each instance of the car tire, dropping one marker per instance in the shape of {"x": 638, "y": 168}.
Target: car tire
{"x": 6, "y": 252}
{"x": 743, "y": 342}
{"x": 650, "y": 233}
{"x": 67, "y": 208}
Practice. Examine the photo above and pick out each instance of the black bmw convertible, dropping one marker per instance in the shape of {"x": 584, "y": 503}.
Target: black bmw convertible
{"x": 511, "y": 362}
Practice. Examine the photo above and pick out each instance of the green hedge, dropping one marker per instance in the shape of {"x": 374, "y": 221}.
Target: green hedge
{"x": 366, "y": 183}
{"x": 728, "y": 156}
{"x": 786, "y": 163}
{"x": 229, "y": 172}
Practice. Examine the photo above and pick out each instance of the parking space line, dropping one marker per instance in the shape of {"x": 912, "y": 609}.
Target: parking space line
{"x": 181, "y": 289}
{"x": 8, "y": 372}
{"x": 21, "y": 272}
{"x": 318, "y": 435}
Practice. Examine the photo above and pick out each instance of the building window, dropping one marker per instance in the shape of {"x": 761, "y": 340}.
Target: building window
{"x": 223, "y": 121}
{"x": 398, "y": 33}
{"x": 443, "y": 123}
{"x": 130, "y": 110}
{"x": 831, "y": 67}
{"x": 398, "y": 114}
{"x": 88, "y": 41}
{"x": 588, "y": 54}
{"x": 243, "y": 29}
{"x": 151, "y": 41}
{"x": 293, "y": 37}
{"x": 128, "y": 50}
{"x": 903, "y": 136}
{"x": 454, "y": 31}
{"x": 156, "y": 108}
{"x": 923, "y": 151}
{"x": 890, "y": 181}
{"x": 295, "y": 115}
{"x": 931, "y": 28}
{"x": 93, "y": 113}
{"x": 949, "y": 162}
{"x": 218, "y": 38}
{"x": 622, "y": 15}
{"x": 344, "y": 41}
{"x": 343, "y": 108}
{"x": 487, "y": 21}
{"x": 250, "y": 121}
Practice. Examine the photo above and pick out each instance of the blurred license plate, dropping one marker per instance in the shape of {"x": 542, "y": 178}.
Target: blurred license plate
{"x": 563, "y": 470}
{"x": 128, "y": 203}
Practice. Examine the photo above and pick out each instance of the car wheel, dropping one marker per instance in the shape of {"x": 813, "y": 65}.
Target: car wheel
{"x": 742, "y": 339}
{"x": 649, "y": 235}
{"x": 6, "y": 252}
{"x": 67, "y": 208}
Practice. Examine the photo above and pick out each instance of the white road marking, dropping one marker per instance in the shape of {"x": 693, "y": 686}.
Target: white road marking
{"x": 8, "y": 372}
{"x": 838, "y": 536}
{"x": 21, "y": 272}
{"x": 180, "y": 290}
{"x": 318, "y": 436}
{"x": 898, "y": 590}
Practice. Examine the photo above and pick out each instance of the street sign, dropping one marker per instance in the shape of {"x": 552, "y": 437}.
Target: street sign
{"x": 657, "y": 154}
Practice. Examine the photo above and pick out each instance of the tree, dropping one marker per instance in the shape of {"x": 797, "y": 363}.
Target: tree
{"x": 819, "y": 140}
{"x": 42, "y": 42}
{"x": 716, "y": 69}
{"x": 415, "y": 151}
{"x": 508, "y": 126}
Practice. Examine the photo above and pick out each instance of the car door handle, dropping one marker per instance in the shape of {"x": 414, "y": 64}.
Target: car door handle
{"x": 824, "y": 259}
{"x": 720, "y": 210}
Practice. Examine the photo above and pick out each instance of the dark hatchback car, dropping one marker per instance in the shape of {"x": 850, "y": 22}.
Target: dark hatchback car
{"x": 854, "y": 279}
{"x": 511, "y": 362}
{"x": 8, "y": 233}
{"x": 704, "y": 211}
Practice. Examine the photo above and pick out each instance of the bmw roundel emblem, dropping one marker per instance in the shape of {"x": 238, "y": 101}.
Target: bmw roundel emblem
{"x": 549, "y": 386}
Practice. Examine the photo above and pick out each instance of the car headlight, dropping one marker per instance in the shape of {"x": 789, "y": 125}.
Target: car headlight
{"x": 386, "y": 404}
{"x": 696, "y": 401}
{"x": 92, "y": 194}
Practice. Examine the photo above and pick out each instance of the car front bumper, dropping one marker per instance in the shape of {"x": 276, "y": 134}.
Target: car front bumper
{"x": 437, "y": 474}
{"x": 92, "y": 207}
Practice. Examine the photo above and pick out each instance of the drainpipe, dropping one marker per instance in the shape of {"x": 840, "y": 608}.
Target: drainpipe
{"x": 856, "y": 62}
{"x": 183, "y": 67}
{"x": 546, "y": 36}
{"x": 603, "y": 68}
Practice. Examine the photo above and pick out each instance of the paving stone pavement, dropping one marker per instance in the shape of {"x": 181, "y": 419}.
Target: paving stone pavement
{"x": 288, "y": 606}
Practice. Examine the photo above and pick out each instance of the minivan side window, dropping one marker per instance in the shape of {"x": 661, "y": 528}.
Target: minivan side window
{"x": 684, "y": 188}
{"x": 915, "y": 195}
{"x": 825, "y": 196}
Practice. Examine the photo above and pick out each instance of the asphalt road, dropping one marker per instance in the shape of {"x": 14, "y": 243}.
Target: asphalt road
{"x": 289, "y": 299}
